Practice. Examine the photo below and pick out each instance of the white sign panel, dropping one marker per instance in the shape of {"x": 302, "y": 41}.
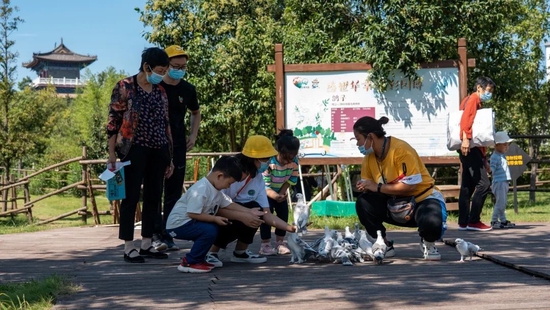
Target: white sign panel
{"x": 321, "y": 108}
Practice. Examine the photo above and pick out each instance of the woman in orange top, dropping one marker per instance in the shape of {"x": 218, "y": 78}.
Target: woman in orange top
{"x": 475, "y": 182}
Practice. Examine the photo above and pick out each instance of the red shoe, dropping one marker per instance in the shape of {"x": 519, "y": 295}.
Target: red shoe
{"x": 192, "y": 268}
{"x": 479, "y": 226}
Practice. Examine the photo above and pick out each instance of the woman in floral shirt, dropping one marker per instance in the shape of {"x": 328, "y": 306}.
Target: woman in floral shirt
{"x": 138, "y": 131}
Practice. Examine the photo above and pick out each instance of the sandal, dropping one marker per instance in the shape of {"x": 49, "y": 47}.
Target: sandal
{"x": 135, "y": 259}
{"x": 149, "y": 253}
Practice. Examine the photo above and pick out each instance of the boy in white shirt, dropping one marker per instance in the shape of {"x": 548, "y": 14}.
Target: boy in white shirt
{"x": 194, "y": 215}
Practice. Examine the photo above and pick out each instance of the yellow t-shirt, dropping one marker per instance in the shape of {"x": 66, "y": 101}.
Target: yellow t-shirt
{"x": 401, "y": 164}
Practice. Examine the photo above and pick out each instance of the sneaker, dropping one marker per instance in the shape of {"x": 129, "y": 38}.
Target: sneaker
{"x": 479, "y": 226}
{"x": 429, "y": 250}
{"x": 170, "y": 245}
{"x": 207, "y": 264}
{"x": 496, "y": 224}
{"x": 462, "y": 227}
{"x": 158, "y": 244}
{"x": 282, "y": 249}
{"x": 507, "y": 224}
{"x": 213, "y": 259}
{"x": 266, "y": 249}
{"x": 390, "y": 251}
{"x": 192, "y": 268}
{"x": 248, "y": 257}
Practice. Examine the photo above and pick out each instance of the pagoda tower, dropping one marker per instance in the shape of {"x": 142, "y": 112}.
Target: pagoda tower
{"x": 60, "y": 68}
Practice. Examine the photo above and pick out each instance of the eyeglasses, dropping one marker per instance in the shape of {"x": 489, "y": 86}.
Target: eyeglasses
{"x": 181, "y": 67}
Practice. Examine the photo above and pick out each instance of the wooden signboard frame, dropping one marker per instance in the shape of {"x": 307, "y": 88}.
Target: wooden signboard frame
{"x": 280, "y": 68}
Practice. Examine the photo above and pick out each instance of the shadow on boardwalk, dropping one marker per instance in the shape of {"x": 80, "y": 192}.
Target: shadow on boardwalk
{"x": 92, "y": 257}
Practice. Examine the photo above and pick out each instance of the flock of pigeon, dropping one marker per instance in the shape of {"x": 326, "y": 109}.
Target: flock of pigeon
{"x": 346, "y": 248}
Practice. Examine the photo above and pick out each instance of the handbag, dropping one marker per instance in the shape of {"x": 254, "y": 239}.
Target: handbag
{"x": 402, "y": 208}
{"x": 483, "y": 128}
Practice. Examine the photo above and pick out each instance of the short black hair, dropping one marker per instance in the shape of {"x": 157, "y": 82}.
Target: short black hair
{"x": 367, "y": 124}
{"x": 230, "y": 166}
{"x": 248, "y": 165}
{"x": 484, "y": 81}
{"x": 154, "y": 56}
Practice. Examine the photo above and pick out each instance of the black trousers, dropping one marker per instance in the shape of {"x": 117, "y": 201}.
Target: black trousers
{"x": 428, "y": 216}
{"x": 475, "y": 186}
{"x": 173, "y": 188}
{"x": 147, "y": 166}
{"x": 279, "y": 208}
{"x": 237, "y": 230}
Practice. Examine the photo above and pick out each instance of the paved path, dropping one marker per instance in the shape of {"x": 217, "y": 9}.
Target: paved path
{"x": 92, "y": 257}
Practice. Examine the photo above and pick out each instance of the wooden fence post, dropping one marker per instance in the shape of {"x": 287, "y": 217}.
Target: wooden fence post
{"x": 27, "y": 196}
{"x": 13, "y": 193}
{"x": 4, "y": 194}
{"x": 84, "y": 182}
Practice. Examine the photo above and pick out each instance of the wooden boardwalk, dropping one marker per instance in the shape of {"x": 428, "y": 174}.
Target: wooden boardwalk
{"x": 92, "y": 257}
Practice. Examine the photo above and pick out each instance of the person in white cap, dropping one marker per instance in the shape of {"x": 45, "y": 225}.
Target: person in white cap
{"x": 501, "y": 179}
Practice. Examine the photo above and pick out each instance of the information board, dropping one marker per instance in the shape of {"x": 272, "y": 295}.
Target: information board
{"x": 321, "y": 108}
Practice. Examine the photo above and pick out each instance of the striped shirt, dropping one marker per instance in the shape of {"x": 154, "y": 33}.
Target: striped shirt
{"x": 277, "y": 175}
{"x": 499, "y": 168}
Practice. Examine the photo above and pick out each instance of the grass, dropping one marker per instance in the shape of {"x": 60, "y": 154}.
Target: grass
{"x": 35, "y": 294}
{"x": 527, "y": 212}
{"x": 51, "y": 207}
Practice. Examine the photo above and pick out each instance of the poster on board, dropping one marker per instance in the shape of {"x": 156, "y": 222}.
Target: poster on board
{"x": 321, "y": 108}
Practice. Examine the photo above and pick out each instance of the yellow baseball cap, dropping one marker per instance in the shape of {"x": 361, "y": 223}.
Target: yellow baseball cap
{"x": 175, "y": 51}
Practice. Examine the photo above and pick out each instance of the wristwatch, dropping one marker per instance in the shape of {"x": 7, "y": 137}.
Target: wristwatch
{"x": 379, "y": 187}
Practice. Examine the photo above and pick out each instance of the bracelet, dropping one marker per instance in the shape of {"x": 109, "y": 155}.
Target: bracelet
{"x": 379, "y": 187}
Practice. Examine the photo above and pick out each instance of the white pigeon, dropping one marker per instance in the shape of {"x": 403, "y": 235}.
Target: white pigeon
{"x": 365, "y": 244}
{"x": 301, "y": 215}
{"x": 339, "y": 238}
{"x": 466, "y": 248}
{"x": 357, "y": 232}
{"x": 326, "y": 244}
{"x": 297, "y": 251}
{"x": 348, "y": 235}
{"x": 379, "y": 248}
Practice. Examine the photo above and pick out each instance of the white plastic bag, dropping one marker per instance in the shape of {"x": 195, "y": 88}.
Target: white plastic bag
{"x": 483, "y": 129}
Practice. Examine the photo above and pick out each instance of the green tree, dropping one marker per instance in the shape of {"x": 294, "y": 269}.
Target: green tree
{"x": 8, "y": 24}
{"x": 230, "y": 46}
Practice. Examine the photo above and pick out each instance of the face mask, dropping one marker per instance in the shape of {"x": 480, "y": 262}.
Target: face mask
{"x": 154, "y": 78}
{"x": 176, "y": 74}
{"x": 486, "y": 96}
{"x": 263, "y": 167}
{"x": 365, "y": 151}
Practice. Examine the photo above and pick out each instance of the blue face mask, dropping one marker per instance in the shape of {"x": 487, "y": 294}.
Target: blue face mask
{"x": 486, "y": 96}
{"x": 365, "y": 151}
{"x": 176, "y": 74}
{"x": 263, "y": 167}
{"x": 154, "y": 78}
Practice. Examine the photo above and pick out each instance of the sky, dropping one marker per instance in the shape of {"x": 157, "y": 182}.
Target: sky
{"x": 109, "y": 29}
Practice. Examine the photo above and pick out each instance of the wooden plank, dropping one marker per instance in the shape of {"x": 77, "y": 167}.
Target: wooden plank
{"x": 427, "y": 160}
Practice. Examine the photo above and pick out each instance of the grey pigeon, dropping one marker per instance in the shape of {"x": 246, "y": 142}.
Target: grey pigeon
{"x": 339, "y": 238}
{"x": 324, "y": 247}
{"x": 466, "y": 248}
{"x": 379, "y": 248}
{"x": 301, "y": 215}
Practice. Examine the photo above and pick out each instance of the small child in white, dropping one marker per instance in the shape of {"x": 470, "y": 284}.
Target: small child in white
{"x": 501, "y": 179}
{"x": 194, "y": 215}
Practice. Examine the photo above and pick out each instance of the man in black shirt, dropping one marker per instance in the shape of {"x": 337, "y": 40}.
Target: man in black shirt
{"x": 182, "y": 96}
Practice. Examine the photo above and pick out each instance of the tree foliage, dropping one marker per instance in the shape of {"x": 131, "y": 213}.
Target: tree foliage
{"x": 231, "y": 42}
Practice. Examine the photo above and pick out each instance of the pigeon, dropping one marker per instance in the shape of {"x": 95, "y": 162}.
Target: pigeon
{"x": 324, "y": 247}
{"x": 466, "y": 248}
{"x": 365, "y": 244}
{"x": 297, "y": 251}
{"x": 357, "y": 232}
{"x": 340, "y": 255}
{"x": 339, "y": 238}
{"x": 379, "y": 249}
{"x": 301, "y": 215}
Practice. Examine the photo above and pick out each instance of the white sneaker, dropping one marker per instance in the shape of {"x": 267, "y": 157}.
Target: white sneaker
{"x": 213, "y": 259}
{"x": 248, "y": 257}
{"x": 429, "y": 250}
